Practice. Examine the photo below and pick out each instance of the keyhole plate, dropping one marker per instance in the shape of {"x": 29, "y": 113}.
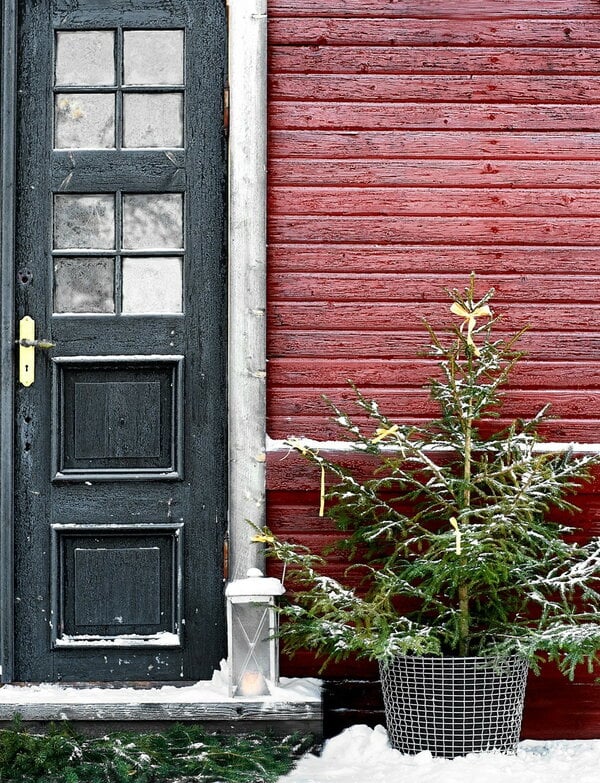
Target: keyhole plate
{"x": 26, "y": 354}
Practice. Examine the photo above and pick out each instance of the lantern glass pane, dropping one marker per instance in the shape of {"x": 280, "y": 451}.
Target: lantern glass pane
{"x": 251, "y": 659}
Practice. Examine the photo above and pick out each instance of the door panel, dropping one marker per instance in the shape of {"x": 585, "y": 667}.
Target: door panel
{"x": 120, "y": 448}
{"x": 98, "y": 560}
{"x": 118, "y": 418}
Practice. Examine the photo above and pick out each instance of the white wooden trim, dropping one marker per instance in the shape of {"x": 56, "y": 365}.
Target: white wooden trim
{"x": 247, "y": 278}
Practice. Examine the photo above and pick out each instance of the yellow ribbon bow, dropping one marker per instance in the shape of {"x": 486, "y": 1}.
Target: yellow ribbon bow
{"x": 458, "y": 535}
{"x": 296, "y": 444}
{"x": 263, "y": 538}
{"x": 381, "y": 433}
{"x": 470, "y": 316}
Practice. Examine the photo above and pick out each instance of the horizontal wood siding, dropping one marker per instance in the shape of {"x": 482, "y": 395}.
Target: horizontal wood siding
{"x": 410, "y": 142}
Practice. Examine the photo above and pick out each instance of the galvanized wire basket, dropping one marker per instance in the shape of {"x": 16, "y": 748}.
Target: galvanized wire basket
{"x": 454, "y": 706}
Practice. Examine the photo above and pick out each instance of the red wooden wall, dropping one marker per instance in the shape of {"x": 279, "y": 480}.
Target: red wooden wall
{"x": 410, "y": 142}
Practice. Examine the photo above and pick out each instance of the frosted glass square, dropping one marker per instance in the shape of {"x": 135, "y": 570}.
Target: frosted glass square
{"x": 152, "y": 285}
{"x": 84, "y": 285}
{"x": 84, "y": 121}
{"x": 85, "y": 57}
{"x": 153, "y": 57}
{"x": 86, "y": 221}
{"x": 153, "y": 120}
{"x": 153, "y": 221}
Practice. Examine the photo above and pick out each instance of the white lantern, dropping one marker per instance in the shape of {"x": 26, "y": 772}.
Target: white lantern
{"x": 252, "y": 631}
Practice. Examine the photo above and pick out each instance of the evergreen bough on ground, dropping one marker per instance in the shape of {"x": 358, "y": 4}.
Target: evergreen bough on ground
{"x": 455, "y": 535}
{"x": 182, "y": 754}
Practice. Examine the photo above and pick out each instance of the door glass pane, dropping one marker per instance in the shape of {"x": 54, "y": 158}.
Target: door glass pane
{"x": 152, "y": 285}
{"x": 85, "y": 57}
{"x": 153, "y": 120}
{"x": 153, "y": 221}
{"x": 153, "y": 57}
{"x": 84, "y": 121}
{"x": 84, "y": 285}
{"x": 84, "y": 221}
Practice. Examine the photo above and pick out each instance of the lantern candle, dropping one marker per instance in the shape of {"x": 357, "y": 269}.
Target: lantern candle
{"x": 252, "y": 684}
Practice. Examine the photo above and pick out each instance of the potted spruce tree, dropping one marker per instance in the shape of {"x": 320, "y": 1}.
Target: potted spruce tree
{"x": 466, "y": 577}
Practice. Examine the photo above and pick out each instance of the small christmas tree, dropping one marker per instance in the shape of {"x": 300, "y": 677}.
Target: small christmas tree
{"x": 454, "y": 536}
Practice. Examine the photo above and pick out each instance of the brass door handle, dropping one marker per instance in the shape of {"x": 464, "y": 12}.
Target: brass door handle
{"x": 43, "y": 345}
{"x": 27, "y": 345}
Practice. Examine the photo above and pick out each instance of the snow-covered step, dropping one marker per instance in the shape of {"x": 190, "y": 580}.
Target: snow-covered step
{"x": 295, "y": 700}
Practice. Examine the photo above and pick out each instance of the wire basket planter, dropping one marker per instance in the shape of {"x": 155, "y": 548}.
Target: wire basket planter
{"x": 454, "y": 706}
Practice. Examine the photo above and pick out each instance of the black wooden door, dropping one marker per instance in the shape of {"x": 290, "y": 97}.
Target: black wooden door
{"x": 120, "y": 448}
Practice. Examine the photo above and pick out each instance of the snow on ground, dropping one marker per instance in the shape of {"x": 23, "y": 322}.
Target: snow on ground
{"x": 363, "y": 755}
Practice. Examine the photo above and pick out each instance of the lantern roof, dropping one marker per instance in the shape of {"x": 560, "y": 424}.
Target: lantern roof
{"x": 255, "y": 583}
